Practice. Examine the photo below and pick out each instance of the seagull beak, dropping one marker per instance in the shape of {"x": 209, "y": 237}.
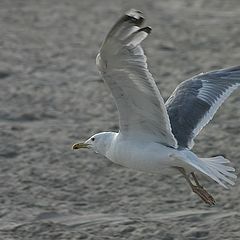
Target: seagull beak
{"x": 80, "y": 145}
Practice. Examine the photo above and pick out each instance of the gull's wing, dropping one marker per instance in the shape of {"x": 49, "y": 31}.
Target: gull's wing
{"x": 195, "y": 101}
{"x": 123, "y": 66}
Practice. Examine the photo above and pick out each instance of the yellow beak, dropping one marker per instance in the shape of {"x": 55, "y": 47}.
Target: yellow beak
{"x": 80, "y": 145}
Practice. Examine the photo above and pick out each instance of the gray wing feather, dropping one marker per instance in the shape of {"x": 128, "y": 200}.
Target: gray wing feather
{"x": 122, "y": 63}
{"x": 195, "y": 101}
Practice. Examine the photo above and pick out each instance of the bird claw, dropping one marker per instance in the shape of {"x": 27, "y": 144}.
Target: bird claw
{"x": 204, "y": 195}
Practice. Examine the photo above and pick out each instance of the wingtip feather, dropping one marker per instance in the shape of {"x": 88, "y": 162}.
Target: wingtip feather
{"x": 147, "y": 29}
{"x": 134, "y": 16}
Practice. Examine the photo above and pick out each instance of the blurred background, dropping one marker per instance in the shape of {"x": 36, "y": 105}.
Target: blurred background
{"x": 52, "y": 96}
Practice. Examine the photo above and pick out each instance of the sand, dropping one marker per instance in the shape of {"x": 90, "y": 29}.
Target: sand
{"x": 52, "y": 96}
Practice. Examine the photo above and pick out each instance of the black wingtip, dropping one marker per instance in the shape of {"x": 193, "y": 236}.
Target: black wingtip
{"x": 134, "y": 16}
{"x": 147, "y": 29}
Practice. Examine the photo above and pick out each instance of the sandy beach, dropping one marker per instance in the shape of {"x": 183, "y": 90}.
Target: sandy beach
{"x": 52, "y": 96}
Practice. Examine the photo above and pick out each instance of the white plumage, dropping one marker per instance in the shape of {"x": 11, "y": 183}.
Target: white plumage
{"x": 153, "y": 136}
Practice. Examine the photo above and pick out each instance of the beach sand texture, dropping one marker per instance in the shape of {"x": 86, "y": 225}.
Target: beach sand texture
{"x": 52, "y": 96}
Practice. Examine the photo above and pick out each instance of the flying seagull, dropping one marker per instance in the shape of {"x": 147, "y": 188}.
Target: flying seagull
{"x": 153, "y": 136}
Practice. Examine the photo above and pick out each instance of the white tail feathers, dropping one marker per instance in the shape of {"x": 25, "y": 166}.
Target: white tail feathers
{"x": 213, "y": 167}
{"x": 219, "y": 170}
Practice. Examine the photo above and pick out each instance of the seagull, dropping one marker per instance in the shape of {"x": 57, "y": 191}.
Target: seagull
{"x": 154, "y": 136}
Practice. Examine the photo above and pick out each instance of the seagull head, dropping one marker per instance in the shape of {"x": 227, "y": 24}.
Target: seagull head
{"x": 99, "y": 142}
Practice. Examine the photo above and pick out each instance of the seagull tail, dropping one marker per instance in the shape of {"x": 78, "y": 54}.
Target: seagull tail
{"x": 221, "y": 171}
{"x": 214, "y": 167}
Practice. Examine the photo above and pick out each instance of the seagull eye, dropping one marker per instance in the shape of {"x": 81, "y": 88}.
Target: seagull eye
{"x": 93, "y": 139}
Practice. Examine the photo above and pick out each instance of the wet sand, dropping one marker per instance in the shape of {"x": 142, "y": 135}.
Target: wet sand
{"x": 52, "y": 96}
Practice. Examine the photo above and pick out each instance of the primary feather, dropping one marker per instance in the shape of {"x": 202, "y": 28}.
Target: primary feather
{"x": 123, "y": 66}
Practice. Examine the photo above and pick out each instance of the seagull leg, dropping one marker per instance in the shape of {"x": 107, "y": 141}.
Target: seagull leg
{"x": 198, "y": 189}
{"x": 201, "y": 192}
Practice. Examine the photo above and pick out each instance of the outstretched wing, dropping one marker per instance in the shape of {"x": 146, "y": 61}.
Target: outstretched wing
{"x": 195, "y": 101}
{"x": 123, "y": 66}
